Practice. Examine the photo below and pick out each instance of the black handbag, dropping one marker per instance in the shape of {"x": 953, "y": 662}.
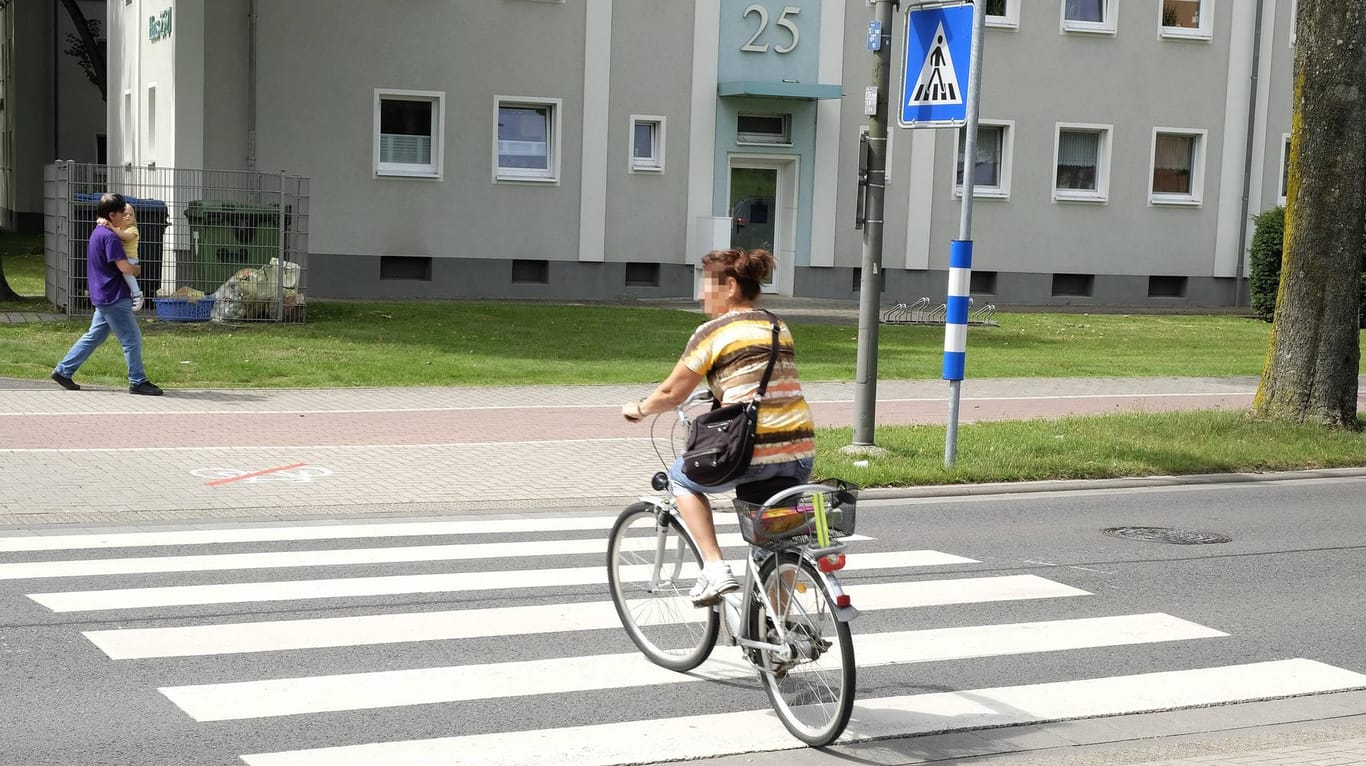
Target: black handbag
{"x": 721, "y": 442}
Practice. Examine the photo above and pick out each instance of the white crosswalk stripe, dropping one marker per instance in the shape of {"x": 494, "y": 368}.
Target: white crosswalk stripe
{"x": 704, "y": 736}
{"x": 556, "y": 553}
{"x": 281, "y": 635}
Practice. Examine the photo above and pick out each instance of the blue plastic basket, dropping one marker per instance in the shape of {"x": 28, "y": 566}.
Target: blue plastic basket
{"x": 183, "y": 309}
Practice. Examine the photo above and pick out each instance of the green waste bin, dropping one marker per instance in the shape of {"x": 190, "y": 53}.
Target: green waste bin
{"x": 228, "y": 237}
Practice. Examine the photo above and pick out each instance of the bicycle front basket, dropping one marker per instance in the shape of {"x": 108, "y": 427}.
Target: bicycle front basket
{"x": 768, "y": 526}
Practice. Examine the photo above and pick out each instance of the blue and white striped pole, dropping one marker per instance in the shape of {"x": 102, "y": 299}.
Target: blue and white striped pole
{"x": 960, "y": 252}
{"x": 956, "y": 335}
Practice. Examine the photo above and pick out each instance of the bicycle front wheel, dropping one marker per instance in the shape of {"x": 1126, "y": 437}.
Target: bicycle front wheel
{"x": 651, "y": 565}
{"x": 811, "y": 687}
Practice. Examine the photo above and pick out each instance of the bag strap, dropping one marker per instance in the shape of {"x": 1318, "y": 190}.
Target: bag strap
{"x": 772, "y": 359}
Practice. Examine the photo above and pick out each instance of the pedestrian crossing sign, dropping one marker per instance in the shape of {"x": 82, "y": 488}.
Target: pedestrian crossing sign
{"x": 935, "y": 72}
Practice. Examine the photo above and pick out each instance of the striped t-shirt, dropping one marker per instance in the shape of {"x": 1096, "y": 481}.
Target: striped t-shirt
{"x": 732, "y": 351}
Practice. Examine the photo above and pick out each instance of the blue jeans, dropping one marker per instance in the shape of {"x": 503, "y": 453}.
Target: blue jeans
{"x": 799, "y": 470}
{"x": 118, "y": 318}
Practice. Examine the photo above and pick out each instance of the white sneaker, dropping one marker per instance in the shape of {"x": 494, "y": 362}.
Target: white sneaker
{"x": 137, "y": 301}
{"x": 712, "y": 581}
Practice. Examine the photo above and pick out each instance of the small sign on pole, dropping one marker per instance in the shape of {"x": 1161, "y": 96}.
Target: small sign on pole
{"x": 935, "y": 72}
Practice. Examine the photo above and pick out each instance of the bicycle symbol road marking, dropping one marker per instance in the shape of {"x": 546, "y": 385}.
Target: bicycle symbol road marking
{"x": 298, "y": 473}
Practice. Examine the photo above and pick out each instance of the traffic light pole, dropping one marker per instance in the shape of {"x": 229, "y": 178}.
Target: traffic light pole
{"x": 870, "y": 282}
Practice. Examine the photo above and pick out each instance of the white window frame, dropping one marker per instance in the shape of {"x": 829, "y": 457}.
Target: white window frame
{"x": 1011, "y": 19}
{"x": 1202, "y": 33}
{"x": 1107, "y": 27}
{"x": 1101, "y": 194}
{"x": 764, "y": 139}
{"x": 150, "y": 104}
{"x": 1001, "y": 191}
{"x": 1194, "y": 197}
{"x": 432, "y": 171}
{"x": 1283, "y": 178}
{"x": 129, "y": 139}
{"x": 553, "y": 133}
{"x": 654, "y": 164}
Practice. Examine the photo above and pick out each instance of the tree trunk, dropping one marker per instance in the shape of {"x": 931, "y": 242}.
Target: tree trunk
{"x": 1315, "y": 354}
{"x": 92, "y": 49}
{"x": 6, "y": 292}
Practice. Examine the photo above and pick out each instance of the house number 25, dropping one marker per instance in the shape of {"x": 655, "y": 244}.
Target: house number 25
{"x": 754, "y": 46}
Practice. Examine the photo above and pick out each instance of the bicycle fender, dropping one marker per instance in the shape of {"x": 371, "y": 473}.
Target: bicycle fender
{"x": 842, "y": 613}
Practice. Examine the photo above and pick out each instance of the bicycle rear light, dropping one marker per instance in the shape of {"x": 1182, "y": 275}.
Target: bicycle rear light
{"x": 831, "y": 563}
{"x": 842, "y": 601}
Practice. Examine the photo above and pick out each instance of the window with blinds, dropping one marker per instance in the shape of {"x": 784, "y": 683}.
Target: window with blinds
{"x": 1081, "y": 162}
{"x": 991, "y": 169}
{"x": 407, "y": 133}
{"x": 526, "y": 140}
{"x": 1088, "y": 16}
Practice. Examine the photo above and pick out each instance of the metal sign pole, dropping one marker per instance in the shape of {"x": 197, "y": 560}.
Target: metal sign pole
{"x": 960, "y": 255}
{"x": 870, "y": 283}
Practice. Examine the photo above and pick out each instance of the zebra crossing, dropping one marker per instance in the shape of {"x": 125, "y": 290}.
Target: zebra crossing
{"x": 334, "y": 606}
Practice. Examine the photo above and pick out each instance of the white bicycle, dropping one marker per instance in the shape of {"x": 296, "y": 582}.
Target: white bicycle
{"x": 790, "y": 617}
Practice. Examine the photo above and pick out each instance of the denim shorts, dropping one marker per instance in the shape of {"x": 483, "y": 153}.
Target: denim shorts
{"x": 799, "y": 470}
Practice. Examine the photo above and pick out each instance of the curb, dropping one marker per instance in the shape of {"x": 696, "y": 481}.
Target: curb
{"x": 1070, "y": 485}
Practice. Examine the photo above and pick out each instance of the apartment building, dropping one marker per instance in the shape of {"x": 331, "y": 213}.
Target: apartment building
{"x": 595, "y": 149}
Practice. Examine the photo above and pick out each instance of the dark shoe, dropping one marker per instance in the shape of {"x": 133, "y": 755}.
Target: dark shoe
{"x": 145, "y": 388}
{"x": 65, "y": 382}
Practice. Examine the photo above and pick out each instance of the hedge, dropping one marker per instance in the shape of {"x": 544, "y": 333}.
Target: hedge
{"x": 1266, "y": 250}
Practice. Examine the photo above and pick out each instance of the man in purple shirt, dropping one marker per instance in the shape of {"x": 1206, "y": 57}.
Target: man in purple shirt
{"x": 105, "y": 265}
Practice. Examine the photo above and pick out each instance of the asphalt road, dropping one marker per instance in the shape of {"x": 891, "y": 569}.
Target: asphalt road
{"x": 1287, "y": 586}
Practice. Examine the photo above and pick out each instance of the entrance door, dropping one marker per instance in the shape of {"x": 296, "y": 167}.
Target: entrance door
{"x": 760, "y": 212}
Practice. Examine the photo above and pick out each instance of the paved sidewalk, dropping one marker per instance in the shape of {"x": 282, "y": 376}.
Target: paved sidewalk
{"x": 195, "y": 454}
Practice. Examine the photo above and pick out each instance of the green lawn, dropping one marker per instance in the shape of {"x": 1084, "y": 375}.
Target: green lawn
{"x": 500, "y": 343}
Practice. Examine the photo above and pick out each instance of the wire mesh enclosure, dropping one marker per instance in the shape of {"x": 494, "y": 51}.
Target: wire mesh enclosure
{"x": 218, "y": 245}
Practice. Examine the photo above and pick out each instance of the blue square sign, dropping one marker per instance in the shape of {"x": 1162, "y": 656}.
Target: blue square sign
{"x": 935, "y": 73}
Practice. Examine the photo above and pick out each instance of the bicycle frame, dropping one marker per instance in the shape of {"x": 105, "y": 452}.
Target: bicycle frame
{"x": 750, "y": 596}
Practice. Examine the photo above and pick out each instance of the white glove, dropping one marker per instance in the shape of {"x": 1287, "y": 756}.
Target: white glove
{"x": 137, "y": 301}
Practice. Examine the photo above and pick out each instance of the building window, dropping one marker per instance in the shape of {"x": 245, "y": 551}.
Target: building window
{"x": 408, "y": 136}
{"x": 642, "y": 275}
{"x": 774, "y": 129}
{"x": 526, "y": 145}
{"x": 526, "y": 272}
{"x": 1178, "y": 167}
{"x": 1082, "y": 160}
{"x": 1097, "y": 16}
{"x": 647, "y": 143}
{"x": 403, "y": 267}
{"x": 1073, "y": 285}
{"x": 991, "y": 171}
{"x": 1284, "y": 191}
{"x": 1187, "y": 19}
{"x": 127, "y": 127}
{"x": 1003, "y": 13}
{"x": 151, "y": 122}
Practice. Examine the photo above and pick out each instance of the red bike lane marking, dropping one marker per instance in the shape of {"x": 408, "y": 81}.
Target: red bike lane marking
{"x": 216, "y": 482}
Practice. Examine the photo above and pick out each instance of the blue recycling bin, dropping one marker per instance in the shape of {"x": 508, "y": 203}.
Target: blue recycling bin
{"x": 152, "y": 218}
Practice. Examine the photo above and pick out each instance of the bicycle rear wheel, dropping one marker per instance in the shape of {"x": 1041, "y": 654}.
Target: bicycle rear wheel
{"x": 813, "y": 692}
{"x": 651, "y": 565}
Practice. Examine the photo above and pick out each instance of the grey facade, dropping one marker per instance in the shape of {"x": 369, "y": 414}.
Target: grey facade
{"x": 659, "y": 130}
{"x": 48, "y": 108}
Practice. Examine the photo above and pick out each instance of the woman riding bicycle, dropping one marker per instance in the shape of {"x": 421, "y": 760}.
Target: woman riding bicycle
{"x": 731, "y": 351}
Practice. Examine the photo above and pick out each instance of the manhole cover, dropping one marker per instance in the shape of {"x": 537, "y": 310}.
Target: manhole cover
{"x": 1167, "y": 535}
